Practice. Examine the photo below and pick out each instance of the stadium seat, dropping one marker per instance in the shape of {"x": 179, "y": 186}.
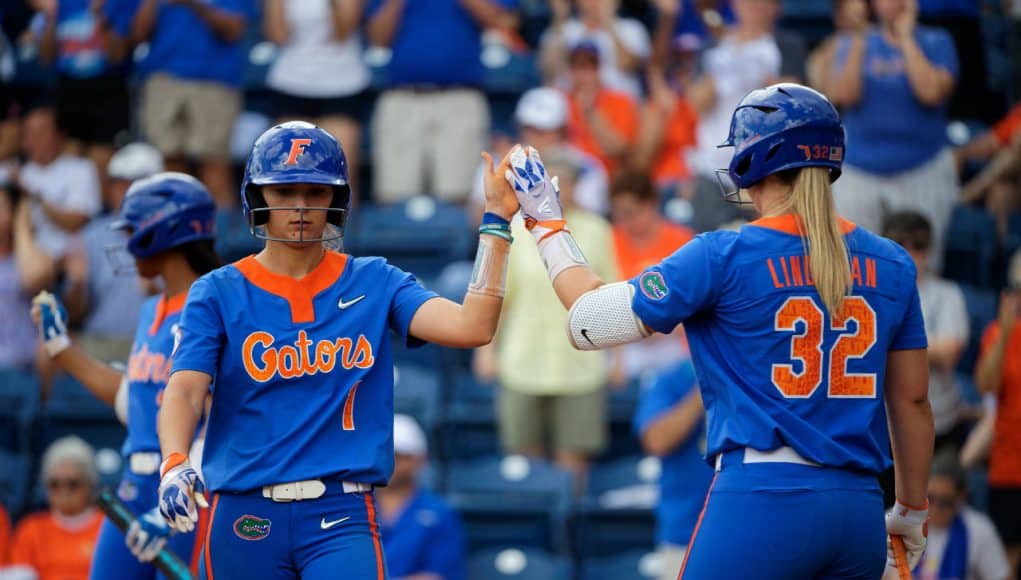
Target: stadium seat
{"x": 233, "y": 238}
{"x": 468, "y": 428}
{"x": 73, "y": 410}
{"x": 970, "y": 246}
{"x": 19, "y": 403}
{"x": 981, "y": 305}
{"x": 616, "y": 513}
{"x": 518, "y": 562}
{"x": 511, "y": 500}
{"x": 417, "y": 392}
{"x": 633, "y": 565}
{"x": 15, "y": 473}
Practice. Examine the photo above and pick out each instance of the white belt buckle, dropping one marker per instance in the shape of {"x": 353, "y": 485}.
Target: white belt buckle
{"x": 144, "y": 463}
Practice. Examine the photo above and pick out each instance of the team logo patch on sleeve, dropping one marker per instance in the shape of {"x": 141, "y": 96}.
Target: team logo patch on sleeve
{"x": 653, "y": 285}
{"x": 251, "y": 528}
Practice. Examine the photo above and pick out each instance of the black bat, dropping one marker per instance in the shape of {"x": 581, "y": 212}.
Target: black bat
{"x": 167, "y": 562}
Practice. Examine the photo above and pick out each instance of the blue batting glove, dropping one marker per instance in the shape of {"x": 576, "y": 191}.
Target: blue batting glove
{"x": 181, "y": 493}
{"x": 52, "y": 323}
{"x": 147, "y": 535}
{"x": 538, "y": 194}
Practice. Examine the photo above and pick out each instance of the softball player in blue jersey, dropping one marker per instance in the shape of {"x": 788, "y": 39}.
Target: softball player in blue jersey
{"x": 169, "y": 219}
{"x": 801, "y": 327}
{"x": 293, "y": 345}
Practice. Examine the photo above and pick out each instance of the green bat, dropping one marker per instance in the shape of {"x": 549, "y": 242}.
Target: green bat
{"x": 167, "y": 562}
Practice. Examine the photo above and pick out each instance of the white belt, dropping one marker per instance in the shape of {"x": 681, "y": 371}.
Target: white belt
{"x": 779, "y": 455}
{"x": 144, "y": 463}
{"x": 308, "y": 489}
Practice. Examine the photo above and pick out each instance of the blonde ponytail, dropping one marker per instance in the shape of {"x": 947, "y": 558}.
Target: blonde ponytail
{"x": 812, "y": 201}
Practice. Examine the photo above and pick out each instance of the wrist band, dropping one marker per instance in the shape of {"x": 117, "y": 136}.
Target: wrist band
{"x": 172, "y": 461}
{"x": 559, "y": 252}
{"x": 489, "y": 276}
{"x": 499, "y": 234}
{"x": 492, "y": 218}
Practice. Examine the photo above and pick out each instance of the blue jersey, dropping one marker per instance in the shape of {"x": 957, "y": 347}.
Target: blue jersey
{"x": 426, "y": 537}
{"x": 302, "y": 369}
{"x": 685, "y": 477}
{"x": 149, "y": 369}
{"x": 774, "y": 368}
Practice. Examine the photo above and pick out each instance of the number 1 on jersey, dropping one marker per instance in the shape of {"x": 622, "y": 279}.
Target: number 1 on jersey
{"x": 806, "y": 348}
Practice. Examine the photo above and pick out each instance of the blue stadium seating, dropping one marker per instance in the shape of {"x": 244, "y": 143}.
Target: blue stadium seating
{"x": 73, "y": 410}
{"x": 519, "y": 562}
{"x": 511, "y": 501}
{"x": 970, "y": 246}
{"x": 233, "y": 238}
{"x": 981, "y": 305}
{"x": 616, "y": 513}
{"x": 418, "y": 392}
{"x": 14, "y": 479}
{"x": 633, "y": 565}
{"x": 19, "y": 403}
{"x": 468, "y": 428}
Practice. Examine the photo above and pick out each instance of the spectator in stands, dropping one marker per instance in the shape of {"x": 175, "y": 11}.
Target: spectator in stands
{"x": 550, "y": 391}
{"x": 622, "y": 43}
{"x": 998, "y": 372}
{"x": 24, "y": 270}
{"x": 601, "y": 122}
{"x": 431, "y": 120}
{"x": 946, "y": 326}
{"x": 642, "y": 237}
{"x": 541, "y": 118}
{"x": 58, "y": 544}
{"x": 849, "y": 17}
{"x": 962, "y": 541}
{"x": 319, "y": 74}
{"x": 63, "y": 189}
{"x": 422, "y": 536}
{"x": 668, "y": 121}
{"x": 1002, "y": 144}
{"x": 87, "y": 42}
{"x": 688, "y": 21}
{"x": 191, "y": 94}
{"x": 748, "y": 57}
{"x": 670, "y": 423}
{"x": 962, "y": 21}
{"x": 101, "y": 297}
{"x": 892, "y": 82}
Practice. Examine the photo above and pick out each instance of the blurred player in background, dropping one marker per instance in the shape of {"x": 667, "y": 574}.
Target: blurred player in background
{"x": 294, "y": 346}
{"x": 801, "y": 325}
{"x": 169, "y": 220}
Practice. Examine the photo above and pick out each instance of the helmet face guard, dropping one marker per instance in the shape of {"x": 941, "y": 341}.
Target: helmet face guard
{"x": 781, "y": 127}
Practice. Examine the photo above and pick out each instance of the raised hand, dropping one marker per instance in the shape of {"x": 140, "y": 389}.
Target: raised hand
{"x": 500, "y": 198}
{"x": 538, "y": 194}
{"x": 50, "y": 318}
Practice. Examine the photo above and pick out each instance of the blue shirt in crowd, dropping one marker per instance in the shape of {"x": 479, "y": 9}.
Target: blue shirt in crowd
{"x": 184, "y": 46}
{"x": 685, "y": 477}
{"x": 437, "y": 42}
{"x": 80, "y": 45}
{"x": 425, "y": 537}
{"x": 889, "y": 131}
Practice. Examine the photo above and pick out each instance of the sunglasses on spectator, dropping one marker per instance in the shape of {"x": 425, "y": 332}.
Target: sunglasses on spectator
{"x": 68, "y": 484}
{"x": 943, "y": 501}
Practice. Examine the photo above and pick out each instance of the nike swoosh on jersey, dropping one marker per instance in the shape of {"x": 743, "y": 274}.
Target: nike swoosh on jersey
{"x": 327, "y": 525}
{"x": 345, "y": 305}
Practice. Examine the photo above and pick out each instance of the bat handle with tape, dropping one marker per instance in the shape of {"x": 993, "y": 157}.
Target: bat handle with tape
{"x": 900, "y": 554}
{"x": 121, "y": 516}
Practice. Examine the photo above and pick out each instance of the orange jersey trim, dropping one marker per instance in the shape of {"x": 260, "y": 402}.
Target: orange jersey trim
{"x": 374, "y": 530}
{"x": 164, "y": 308}
{"x": 790, "y": 224}
{"x": 299, "y": 292}
{"x": 698, "y": 524}
{"x": 209, "y": 535}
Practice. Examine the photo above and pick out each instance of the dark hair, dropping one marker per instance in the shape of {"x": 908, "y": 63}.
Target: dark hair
{"x": 909, "y": 228}
{"x": 201, "y": 256}
{"x": 636, "y": 183}
{"x": 945, "y": 464}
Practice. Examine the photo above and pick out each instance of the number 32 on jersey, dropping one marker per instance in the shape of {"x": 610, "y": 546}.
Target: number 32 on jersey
{"x": 806, "y": 348}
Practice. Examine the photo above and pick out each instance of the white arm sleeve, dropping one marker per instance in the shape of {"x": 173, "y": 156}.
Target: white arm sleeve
{"x": 602, "y": 318}
{"x": 120, "y": 401}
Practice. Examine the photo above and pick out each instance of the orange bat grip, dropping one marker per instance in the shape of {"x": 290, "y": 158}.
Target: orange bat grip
{"x": 900, "y": 554}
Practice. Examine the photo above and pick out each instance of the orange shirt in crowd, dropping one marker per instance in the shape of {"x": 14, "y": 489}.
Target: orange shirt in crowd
{"x": 5, "y": 535}
{"x": 618, "y": 109}
{"x": 670, "y": 166}
{"x": 1009, "y": 126}
{"x": 1005, "y": 455}
{"x": 632, "y": 259}
{"x": 53, "y": 552}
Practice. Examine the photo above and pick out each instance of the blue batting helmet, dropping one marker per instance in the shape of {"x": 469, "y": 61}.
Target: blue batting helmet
{"x": 783, "y": 126}
{"x": 165, "y": 211}
{"x": 295, "y": 152}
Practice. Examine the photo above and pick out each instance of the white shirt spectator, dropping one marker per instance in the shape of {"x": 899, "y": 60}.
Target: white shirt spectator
{"x": 946, "y": 317}
{"x": 313, "y": 63}
{"x": 632, "y": 35}
{"x": 69, "y": 183}
{"x": 986, "y": 558}
{"x": 736, "y": 69}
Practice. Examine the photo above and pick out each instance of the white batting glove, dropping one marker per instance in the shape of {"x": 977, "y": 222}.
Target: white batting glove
{"x": 181, "y": 492}
{"x": 538, "y": 195}
{"x": 147, "y": 535}
{"x": 52, "y": 323}
{"x": 912, "y": 525}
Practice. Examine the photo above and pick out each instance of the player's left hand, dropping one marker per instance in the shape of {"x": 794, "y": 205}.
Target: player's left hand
{"x": 147, "y": 535}
{"x": 538, "y": 194}
{"x": 500, "y": 198}
{"x": 50, "y": 318}
{"x": 182, "y": 492}
{"x": 911, "y": 525}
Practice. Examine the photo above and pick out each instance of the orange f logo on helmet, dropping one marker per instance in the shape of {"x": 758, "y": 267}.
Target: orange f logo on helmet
{"x": 297, "y": 148}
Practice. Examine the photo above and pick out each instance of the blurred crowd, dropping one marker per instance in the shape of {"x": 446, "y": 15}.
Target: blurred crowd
{"x": 627, "y": 101}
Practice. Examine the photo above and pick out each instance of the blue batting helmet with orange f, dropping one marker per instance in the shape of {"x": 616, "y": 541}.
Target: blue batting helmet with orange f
{"x": 292, "y": 153}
